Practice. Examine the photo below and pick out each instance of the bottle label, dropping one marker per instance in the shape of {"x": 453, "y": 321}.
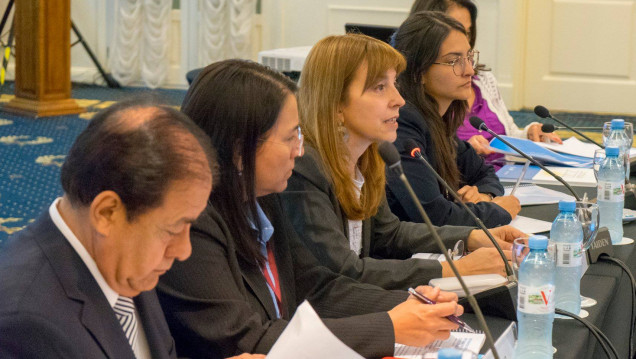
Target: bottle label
{"x": 536, "y": 300}
{"x": 569, "y": 254}
{"x": 610, "y": 191}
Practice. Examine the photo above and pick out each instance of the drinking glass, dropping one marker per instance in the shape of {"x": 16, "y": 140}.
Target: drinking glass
{"x": 599, "y": 156}
{"x": 520, "y": 249}
{"x": 588, "y": 215}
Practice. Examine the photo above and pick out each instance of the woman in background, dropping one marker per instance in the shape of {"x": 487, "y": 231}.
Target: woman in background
{"x": 436, "y": 85}
{"x": 484, "y": 101}
{"x": 248, "y": 271}
{"x": 336, "y": 197}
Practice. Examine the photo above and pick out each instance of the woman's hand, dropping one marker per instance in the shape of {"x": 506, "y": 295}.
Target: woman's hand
{"x": 481, "y": 145}
{"x": 481, "y": 261}
{"x": 470, "y": 194}
{"x": 504, "y": 235}
{"x": 510, "y": 203}
{"x": 419, "y": 324}
{"x": 535, "y": 134}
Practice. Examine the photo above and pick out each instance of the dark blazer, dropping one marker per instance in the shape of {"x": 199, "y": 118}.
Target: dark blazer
{"x": 474, "y": 171}
{"x": 217, "y": 304}
{"x": 387, "y": 244}
{"x": 52, "y": 307}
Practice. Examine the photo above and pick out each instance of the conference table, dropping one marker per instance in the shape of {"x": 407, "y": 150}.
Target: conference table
{"x": 603, "y": 281}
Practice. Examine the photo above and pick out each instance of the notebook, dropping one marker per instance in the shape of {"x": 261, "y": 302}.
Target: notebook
{"x": 459, "y": 339}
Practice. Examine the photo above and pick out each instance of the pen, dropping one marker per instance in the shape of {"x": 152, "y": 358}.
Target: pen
{"x": 523, "y": 173}
{"x": 452, "y": 318}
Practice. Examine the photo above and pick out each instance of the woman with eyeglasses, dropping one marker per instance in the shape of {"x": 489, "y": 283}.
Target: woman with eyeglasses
{"x": 335, "y": 196}
{"x": 436, "y": 85}
{"x": 484, "y": 101}
{"x": 249, "y": 271}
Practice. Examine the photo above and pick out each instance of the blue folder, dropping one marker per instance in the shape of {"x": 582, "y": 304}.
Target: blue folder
{"x": 539, "y": 153}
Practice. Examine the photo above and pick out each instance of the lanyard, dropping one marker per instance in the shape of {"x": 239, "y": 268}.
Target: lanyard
{"x": 271, "y": 275}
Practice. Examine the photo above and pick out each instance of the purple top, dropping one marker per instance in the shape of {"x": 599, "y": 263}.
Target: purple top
{"x": 481, "y": 110}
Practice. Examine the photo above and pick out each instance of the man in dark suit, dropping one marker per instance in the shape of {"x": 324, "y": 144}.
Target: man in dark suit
{"x": 79, "y": 281}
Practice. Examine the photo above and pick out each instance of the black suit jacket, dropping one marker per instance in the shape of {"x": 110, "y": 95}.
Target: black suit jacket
{"x": 52, "y": 307}
{"x": 387, "y": 243}
{"x": 442, "y": 211}
{"x": 219, "y": 305}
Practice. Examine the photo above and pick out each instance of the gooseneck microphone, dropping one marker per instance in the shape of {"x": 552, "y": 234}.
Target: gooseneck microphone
{"x": 545, "y": 113}
{"x": 548, "y": 128}
{"x": 411, "y": 146}
{"x": 479, "y": 124}
{"x": 391, "y": 157}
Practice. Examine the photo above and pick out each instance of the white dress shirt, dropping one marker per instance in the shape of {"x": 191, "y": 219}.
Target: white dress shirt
{"x": 141, "y": 349}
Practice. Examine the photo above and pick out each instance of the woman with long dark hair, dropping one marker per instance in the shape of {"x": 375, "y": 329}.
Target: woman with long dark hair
{"x": 485, "y": 100}
{"x": 249, "y": 271}
{"x": 335, "y": 198}
{"x": 436, "y": 85}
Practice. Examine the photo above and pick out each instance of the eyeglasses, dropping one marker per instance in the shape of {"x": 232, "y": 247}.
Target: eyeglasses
{"x": 293, "y": 143}
{"x": 459, "y": 63}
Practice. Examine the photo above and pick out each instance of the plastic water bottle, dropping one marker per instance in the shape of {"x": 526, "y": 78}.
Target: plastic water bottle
{"x": 619, "y": 138}
{"x": 610, "y": 193}
{"x": 449, "y": 353}
{"x": 567, "y": 235}
{"x": 535, "y": 302}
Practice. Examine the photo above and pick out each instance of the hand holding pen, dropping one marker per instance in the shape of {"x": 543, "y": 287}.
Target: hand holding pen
{"x": 418, "y": 325}
{"x": 453, "y": 318}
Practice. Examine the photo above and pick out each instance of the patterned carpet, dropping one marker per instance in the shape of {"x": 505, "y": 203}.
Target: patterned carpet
{"x": 32, "y": 151}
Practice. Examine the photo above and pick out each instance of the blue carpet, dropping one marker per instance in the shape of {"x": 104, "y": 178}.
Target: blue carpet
{"x": 33, "y": 150}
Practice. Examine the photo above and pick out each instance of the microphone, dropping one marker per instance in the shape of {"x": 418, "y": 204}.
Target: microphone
{"x": 411, "y": 147}
{"x": 545, "y": 113}
{"x": 391, "y": 157}
{"x": 479, "y": 124}
{"x": 547, "y": 128}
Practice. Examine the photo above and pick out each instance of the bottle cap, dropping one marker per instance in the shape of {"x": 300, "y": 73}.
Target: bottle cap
{"x": 567, "y": 206}
{"x": 449, "y": 353}
{"x": 538, "y": 242}
{"x": 618, "y": 124}
{"x": 611, "y": 151}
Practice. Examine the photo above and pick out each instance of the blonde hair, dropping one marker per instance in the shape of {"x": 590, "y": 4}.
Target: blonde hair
{"x": 326, "y": 76}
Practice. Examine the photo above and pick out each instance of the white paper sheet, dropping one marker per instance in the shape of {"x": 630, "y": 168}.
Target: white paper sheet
{"x": 458, "y": 340}
{"x": 574, "y": 146}
{"x": 530, "y": 225}
{"x": 307, "y": 337}
{"x": 530, "y": 194}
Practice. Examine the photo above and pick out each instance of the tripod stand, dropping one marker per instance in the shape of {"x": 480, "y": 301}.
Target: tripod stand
{"x": 108, "y": 78}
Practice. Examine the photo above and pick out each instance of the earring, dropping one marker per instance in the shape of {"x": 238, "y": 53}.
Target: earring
{"x": 342, "y": 130}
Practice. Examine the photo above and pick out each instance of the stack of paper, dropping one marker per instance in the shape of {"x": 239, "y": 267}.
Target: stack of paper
{"x": 458, "y": 340}
{"x": 574, "y": 146}
{"x": 583, "y": 177}
{"x": 530, "y": 194}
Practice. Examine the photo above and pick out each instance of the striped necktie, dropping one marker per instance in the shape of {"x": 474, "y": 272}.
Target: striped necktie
{"x": 125, "y": 312}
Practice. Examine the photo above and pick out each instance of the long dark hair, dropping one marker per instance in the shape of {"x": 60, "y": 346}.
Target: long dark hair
{"x": 237, "y": 102}
{"x": 443, "y": 5}
{"x": 419, "y": 38}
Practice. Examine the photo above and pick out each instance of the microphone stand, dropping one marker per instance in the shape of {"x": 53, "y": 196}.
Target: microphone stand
{"x": 548, "y": 114}
{"x": 388, "y": 152}
{"x": 509, "y": 272}
{"x": 576, "y": 131}
{"x": 483, "y": 127}
{"x": 469, "y": 296}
